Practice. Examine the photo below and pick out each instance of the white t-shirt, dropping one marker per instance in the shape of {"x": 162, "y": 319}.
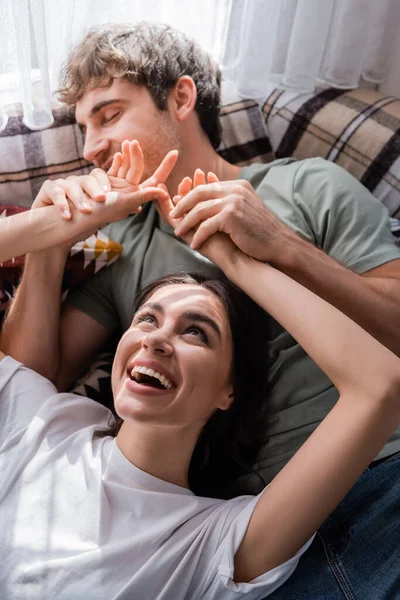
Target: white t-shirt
{"x": 78, "y": 520}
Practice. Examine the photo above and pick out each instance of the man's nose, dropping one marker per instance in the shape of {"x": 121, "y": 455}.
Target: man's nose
{"x": 94, "y": 147}
{"x": 157, "y": 342}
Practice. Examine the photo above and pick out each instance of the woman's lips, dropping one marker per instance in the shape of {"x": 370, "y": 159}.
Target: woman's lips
{"x": 144, "y": 390}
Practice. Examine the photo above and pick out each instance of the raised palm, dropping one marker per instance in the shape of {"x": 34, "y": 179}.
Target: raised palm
{"x": 127, "y": 168}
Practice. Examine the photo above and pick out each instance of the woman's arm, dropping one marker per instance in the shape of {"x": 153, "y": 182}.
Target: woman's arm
{"x": 353, "y": 360}
{"x": 367, "y": 376}
{"x": 42, "y": 228}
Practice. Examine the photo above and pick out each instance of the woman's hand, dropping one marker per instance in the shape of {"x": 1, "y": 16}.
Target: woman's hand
{"x": 77, "y": 191}
{"x": 123, "y": 177}
{"x": 127, "y": 169}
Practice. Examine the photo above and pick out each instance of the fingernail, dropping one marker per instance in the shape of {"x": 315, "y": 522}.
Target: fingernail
{"x": 86, "y": 206}
{"x": 66, "y": 213}
{"x": 106, "y": 188}
{"x": 173, "y": 212}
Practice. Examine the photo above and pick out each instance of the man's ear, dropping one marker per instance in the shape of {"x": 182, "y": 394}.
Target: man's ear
{"x": 182, "y": 98}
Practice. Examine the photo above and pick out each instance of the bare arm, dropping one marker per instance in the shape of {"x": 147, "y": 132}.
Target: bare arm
{"x": 365, "y": 372}
{"x": 32, "y": 231}
{"x": 79, "y": 350}
{"x": 33, "y": 332}
{"x": 372, "y": 299}
{"x": 367, "y": 376}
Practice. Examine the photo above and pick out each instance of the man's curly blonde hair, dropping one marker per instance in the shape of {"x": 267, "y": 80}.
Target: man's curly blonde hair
{"x": 147, "y": 54}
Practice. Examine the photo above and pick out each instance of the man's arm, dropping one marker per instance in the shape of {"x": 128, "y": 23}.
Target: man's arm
{"x": 372, "y": 300}
{"x": 32, "y": 332}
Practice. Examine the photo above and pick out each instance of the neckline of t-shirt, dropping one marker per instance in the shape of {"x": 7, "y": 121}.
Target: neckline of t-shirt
{"x": 145, "y": 480}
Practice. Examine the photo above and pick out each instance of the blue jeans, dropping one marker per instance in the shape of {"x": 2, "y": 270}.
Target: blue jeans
{"x": 356, "y": 553}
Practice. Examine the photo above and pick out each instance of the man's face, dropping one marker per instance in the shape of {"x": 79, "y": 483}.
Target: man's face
{"x": 124, "y": 111}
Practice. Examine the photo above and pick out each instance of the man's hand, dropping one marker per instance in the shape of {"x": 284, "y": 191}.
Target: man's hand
{"x": 219, "y": 248}
{"x": 232, "y": 208}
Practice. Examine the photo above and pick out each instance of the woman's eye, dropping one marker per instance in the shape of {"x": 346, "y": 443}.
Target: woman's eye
{"x": 197, "y": 332}
{"x": 146, "y": 318}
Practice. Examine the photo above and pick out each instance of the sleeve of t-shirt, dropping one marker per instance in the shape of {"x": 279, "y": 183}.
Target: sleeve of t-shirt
{"x": 222, "y": 586}
{"x": 30, "y": 402}
{"x": 346, "y": 220}
{"x": 96, "y": 299}
{"x": 22, "y": 393}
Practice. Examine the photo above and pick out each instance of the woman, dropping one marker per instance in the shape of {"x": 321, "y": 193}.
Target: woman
{"x": 98, "y": 517}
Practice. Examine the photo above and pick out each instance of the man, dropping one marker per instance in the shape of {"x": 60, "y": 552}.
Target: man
{"x": 315, "y": 222}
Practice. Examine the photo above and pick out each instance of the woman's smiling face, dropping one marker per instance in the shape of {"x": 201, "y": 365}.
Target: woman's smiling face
{"x": 173, "y": 365}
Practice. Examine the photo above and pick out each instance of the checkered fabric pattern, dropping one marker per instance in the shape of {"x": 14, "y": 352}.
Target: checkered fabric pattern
{"x": 358, "y": 129}
{"x": 244, "y": 135}
{"x": 29, "y": 157}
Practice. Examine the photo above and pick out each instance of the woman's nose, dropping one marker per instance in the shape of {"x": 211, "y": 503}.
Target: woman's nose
{"x": 157, "y": 343}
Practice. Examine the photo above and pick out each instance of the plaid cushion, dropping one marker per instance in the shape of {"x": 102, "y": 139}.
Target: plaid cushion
{"x": 28, "y": 157}
{"x": 358, "y": 129}
{"x": 244, "y": 136}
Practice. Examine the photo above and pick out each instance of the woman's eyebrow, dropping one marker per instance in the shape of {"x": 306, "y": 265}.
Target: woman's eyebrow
{"x": 153, "y": 305}
{"x": 196, "y": 316}
{"x": 188, "y": 315}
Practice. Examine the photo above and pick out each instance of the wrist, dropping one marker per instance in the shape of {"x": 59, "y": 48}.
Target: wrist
{"x": 236, "y": 266}
{"x": 50, "y": 261}
{"x": 286, "y": 252}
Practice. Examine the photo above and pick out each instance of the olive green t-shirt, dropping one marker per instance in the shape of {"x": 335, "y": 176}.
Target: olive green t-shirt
{"x": 322, "y": 203}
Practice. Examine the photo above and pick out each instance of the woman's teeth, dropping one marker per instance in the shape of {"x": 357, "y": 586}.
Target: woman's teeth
{"x": 165, "y": 382}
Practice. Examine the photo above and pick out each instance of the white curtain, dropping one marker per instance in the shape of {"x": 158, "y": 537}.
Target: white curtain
{"x": 259, "y": 43}
{"x": 36, "y": 36}
{"x": 298, "y": 43}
